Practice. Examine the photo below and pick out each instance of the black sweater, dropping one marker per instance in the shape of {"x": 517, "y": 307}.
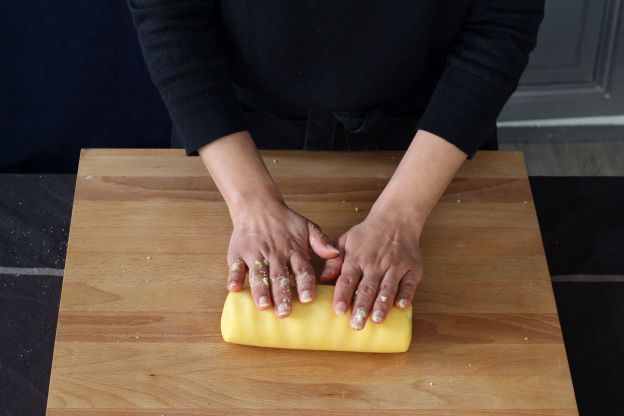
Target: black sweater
{"x": 454, "y": 62}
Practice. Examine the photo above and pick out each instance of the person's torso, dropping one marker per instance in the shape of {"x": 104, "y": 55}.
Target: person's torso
{"x": 340, "y": 55}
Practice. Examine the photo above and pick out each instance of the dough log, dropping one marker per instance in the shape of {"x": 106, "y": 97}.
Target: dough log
{"x": 313, "y": 326}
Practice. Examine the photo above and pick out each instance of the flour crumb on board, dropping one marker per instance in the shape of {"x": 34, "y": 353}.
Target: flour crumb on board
{"x": 148, "y": 258}
{"x": 357, "y": 209}
{"x": 274, "y": 160}
{"x": 459, "y": 201}
{"x": 526, "y": 338}
{"x": 88, "y": 178}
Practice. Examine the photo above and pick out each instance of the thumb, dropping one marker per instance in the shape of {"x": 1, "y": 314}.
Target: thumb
{"x": 320, "y": 242}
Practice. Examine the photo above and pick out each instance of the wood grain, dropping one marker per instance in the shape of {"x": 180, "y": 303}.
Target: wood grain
{"x": 138, "y": 330}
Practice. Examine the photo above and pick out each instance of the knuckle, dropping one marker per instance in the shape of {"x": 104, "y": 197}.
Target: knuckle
{"x": 349, "y": 280}
{"x": 385, "y": 301}
{"x": 417, "y": 272}
{"x": 258, "y": 280}
{"x": 237, "y": 265}
{"x": 348, "y": 268}
{"x": 235, "y": 276}
{"x": 409, "y": 285}
{"x": 367, "y": 288}
{"x": 278, "y": 271}
{"x": 382, "y": 306}
{"x": 298, "y": 261}
{"x": 304, "y": 279}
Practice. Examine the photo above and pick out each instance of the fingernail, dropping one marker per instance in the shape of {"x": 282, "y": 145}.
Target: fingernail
{"x": 306, "y": 296}
{"x": 330, "y": 247}
{"x": 377, "y": 316}
{"x": 282, "y": 309}
{"x": 263, "y": 301}
{"x": 357, "y": 321}
{"x": 402, "y": 303}
{"x": 232, "y": 286}
{"x": 341, "y": 308}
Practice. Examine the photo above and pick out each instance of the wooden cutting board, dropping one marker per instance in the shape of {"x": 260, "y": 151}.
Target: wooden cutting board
{"x": 144, "y": 285}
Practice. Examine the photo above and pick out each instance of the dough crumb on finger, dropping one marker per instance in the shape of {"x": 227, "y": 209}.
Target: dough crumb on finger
{"x": 304, "y": 279}
{"x": 236, "y": 265}
{"x": 357, "y": 322}
{"x": 255, "y": 280}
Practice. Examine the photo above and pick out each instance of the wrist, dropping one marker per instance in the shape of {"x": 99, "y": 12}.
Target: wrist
{"x": 246, "y": 203}
{"x": 399, "y": 213}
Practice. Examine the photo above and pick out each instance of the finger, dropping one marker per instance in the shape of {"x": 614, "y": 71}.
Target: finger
{"x": 407, "y": 288}
{"x": 280, "y": 287}
{"x": 332, "y": 267}
{"x": 363, "y": 302}
{"x": 320, "y": 242}
{"x": 345, "y": 288}
{"x": 304, "y": 276}
{"x": 386, "y": 296}
{"x": 259, "y": 280}
{"x": 236, "y": 273}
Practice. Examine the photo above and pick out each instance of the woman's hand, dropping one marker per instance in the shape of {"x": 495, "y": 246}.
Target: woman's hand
{"x": 272, "y": 243}
{"x": 269, "y": 240}
{"x": 381, "y": 259}
{"x": 381, "y": 267}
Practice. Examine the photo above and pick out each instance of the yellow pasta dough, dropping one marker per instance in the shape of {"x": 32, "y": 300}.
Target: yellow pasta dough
{"x": 312, "y": 326}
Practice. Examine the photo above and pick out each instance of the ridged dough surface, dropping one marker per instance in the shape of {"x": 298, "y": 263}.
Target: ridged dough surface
{"x": 312, "y": 326}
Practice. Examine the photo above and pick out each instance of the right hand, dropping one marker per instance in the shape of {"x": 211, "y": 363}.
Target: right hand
{"x": 272, "y": 243}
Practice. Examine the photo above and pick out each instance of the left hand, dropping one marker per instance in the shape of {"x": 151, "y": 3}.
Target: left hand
{"x": 380, "y": 265}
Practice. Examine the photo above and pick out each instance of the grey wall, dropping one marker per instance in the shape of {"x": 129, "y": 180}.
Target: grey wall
{"x": 577, "y": 69}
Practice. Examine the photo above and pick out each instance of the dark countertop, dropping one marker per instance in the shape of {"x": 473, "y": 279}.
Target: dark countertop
{"x": 582, "y": 224}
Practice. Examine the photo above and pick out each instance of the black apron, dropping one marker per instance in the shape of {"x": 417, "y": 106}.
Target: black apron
{"x": 277, "y": 126}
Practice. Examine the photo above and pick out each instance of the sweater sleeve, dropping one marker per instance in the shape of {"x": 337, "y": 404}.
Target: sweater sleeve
{"x": 482, "y": 70}
{"x": 179, "y": 43}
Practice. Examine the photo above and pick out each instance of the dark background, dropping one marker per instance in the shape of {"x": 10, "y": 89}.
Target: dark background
{"x": 72, "y": 76}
